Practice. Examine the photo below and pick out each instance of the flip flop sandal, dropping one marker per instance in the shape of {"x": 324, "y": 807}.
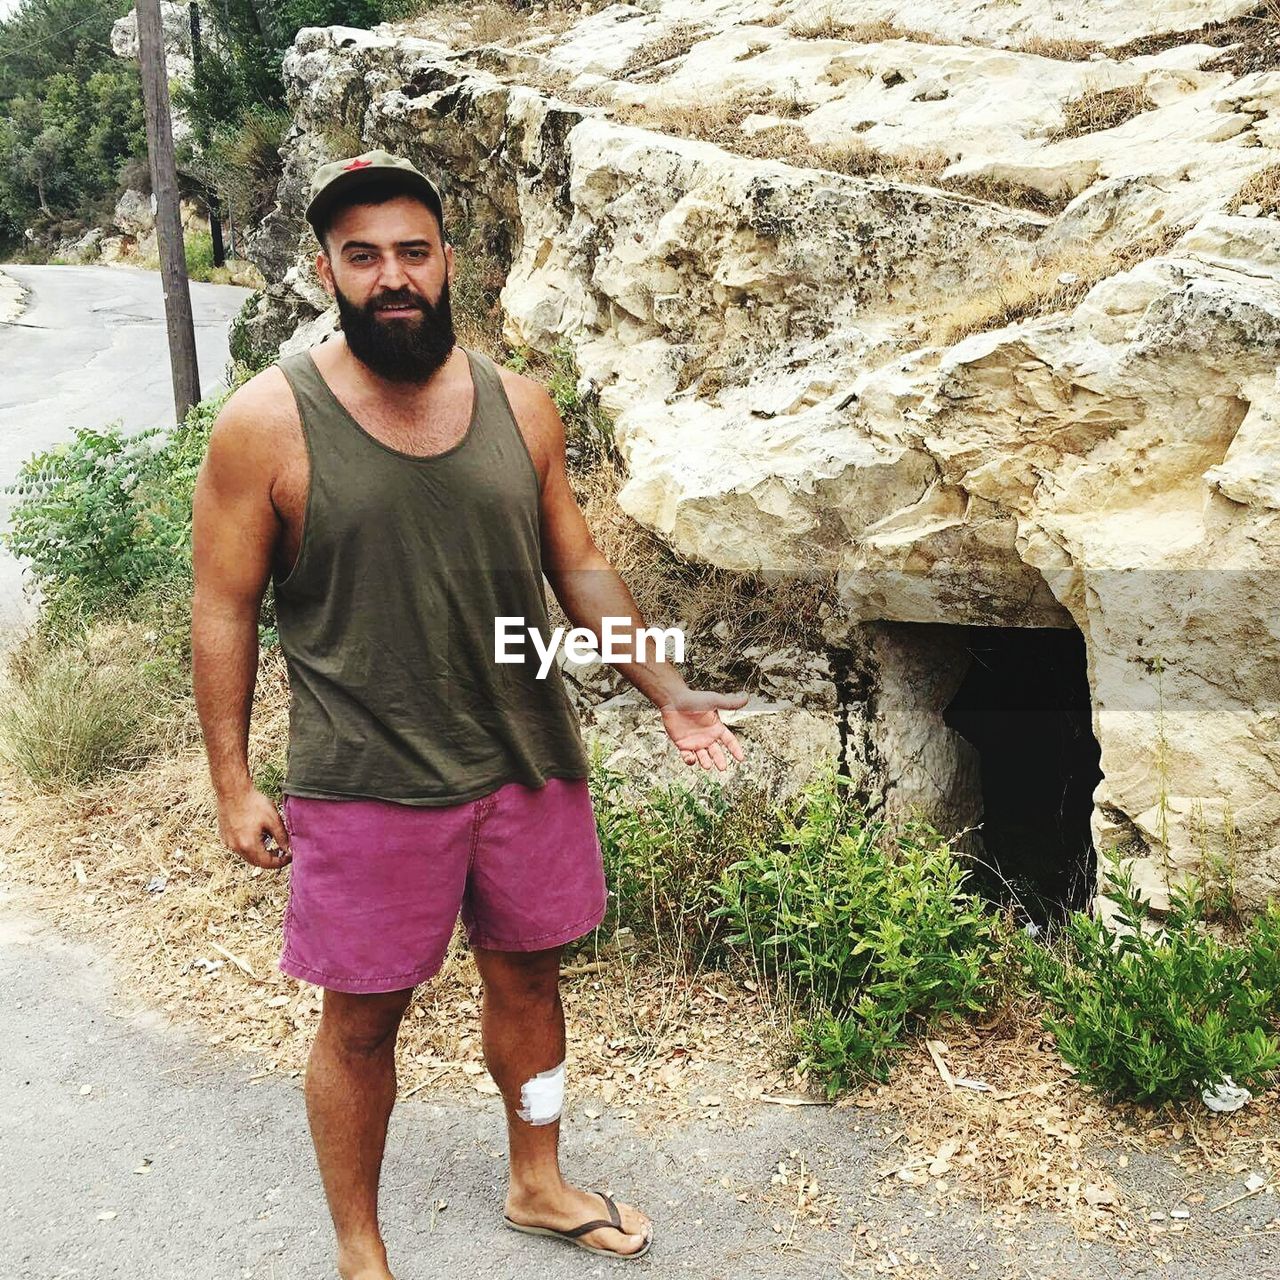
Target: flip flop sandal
{"x": 615, "y": 1220}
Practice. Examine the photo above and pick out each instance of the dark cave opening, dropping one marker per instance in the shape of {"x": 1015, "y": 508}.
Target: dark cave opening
{"x": 1024, "y": 706}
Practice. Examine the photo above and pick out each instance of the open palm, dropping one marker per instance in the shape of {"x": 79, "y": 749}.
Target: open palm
{"x": 693, "y": 723}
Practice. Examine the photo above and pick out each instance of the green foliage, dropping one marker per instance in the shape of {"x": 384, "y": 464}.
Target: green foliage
{"x": 104, "y": 521}
{"x": 198, "y": 251}
{"x": 245, "y": 352}
{"x": 1158, "y": 1013}
{"x": 874, "y": 929}
{"x": 70, "y": 117}
{"x": 664, "y": 848}
{"x": 589, "y": 437}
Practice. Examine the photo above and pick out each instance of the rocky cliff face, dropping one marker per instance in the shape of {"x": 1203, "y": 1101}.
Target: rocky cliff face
{"x": 972, "y": 307}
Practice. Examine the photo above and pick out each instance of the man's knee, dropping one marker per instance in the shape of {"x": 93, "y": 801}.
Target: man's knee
{"x": 364, "y": 1024}
{"x": 520, "y": 976}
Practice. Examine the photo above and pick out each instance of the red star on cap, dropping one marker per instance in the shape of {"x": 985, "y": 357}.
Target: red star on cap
{"x": 357, "y": 164}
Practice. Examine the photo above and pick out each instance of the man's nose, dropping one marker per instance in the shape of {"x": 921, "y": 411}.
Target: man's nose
{"x": 393, "y": 275}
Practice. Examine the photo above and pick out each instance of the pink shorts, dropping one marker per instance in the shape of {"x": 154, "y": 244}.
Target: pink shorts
{"x": 375, "y": 887}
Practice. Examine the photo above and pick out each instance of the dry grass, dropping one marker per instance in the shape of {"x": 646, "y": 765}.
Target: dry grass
{"x": 1028, "y": 290}
{"x": 1016, "y": 195}
{"x": 648, "y": 58}
{"x": 1099, "y": 109}
{"x": 854, "y": 158}
{"x": 646, "y": 1042}
{"x": 722, "y": 613}
{"x": 1255, "y": 36}
{"x": 1062, "y": 49}
{"x": 478, "y": 279}
{"x": 826, "y": 24}
{"x": 718, "y": 121}
{"x": 466, "y": 26}
{"x": 1263, "y": 190}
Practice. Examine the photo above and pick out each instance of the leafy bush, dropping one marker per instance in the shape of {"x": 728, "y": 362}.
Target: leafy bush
{"x": 875, "y": 931}
{"x": 1160, "y": 1013}
{"x": 664, "y": 849}
{"x": 104, "y": 520}
{"x": 589, "y": 438}
{"x": 70, "y": 116}
{"x": 198, "y": 251}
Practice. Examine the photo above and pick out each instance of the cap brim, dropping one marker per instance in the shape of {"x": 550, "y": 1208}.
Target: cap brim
{"x": 345, "y": 184}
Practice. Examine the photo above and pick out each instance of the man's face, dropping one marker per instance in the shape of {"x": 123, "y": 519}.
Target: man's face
{"x": 389, "y": 276}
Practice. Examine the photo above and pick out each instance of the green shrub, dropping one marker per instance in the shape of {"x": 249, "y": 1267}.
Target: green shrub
{"x": 664, "y": 848}
{"x": 244, "y": 350}
{"x": 874, "y": 930}
{"x": 198, "y": 250}
{"x": 1160, "y": 1014}
{"x": 104, "y": 521}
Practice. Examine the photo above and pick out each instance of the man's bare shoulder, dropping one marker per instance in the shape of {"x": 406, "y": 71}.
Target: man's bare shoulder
{"x": 535, "y": 413}
{"x": 260, "y": 409}
{"x": 525, "y": 393}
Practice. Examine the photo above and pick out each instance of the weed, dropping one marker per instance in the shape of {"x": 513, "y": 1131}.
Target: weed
{"x": 872, "y": 928}
{"x": 1099, "y": 109}
{"x": 1157, "y": 1013}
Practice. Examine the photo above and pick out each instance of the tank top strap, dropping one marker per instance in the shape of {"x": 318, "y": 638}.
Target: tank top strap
{"x": 491, "y": 396}
{"x": 315, "y": 400}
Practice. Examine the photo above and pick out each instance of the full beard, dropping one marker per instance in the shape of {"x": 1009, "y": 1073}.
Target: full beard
{"x": 403, "y": 348}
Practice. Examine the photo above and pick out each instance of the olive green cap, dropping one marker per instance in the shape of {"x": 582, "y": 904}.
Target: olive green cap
{"x": 340, "y": 178}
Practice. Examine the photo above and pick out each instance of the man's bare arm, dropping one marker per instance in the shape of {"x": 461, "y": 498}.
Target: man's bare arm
{"x": 234, "y": 528}
{"x": 590, "y": 589}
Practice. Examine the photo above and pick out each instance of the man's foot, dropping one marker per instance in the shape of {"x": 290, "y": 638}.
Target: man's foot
{"x": 363, "y": 1264}
{"x": 565, "y": 1207}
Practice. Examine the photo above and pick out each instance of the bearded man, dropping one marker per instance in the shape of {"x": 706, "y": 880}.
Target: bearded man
{"x": 403, "y": 494}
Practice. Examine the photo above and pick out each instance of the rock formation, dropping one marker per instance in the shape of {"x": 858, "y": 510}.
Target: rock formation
{"x": 974, "y": 307}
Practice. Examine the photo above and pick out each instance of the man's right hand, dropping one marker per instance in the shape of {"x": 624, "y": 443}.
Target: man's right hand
{"x": 244, "y": 823}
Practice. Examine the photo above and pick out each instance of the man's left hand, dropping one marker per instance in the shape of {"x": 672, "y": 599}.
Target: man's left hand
{"x": 693, "y": 724}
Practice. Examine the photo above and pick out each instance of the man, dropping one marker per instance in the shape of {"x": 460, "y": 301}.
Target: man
{"x": 404, "y": 493}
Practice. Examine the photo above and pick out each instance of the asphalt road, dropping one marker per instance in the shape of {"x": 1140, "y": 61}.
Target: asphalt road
{"x": 90, "y": 348}
{"x": 129, "y": 1148}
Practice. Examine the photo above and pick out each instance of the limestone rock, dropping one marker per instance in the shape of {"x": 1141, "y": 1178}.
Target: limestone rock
{"x": 987, "y": 360}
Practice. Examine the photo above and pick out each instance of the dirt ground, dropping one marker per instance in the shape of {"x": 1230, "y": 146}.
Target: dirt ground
{"x": 686, "y": 1067}
{"x": 129, "y": 1145}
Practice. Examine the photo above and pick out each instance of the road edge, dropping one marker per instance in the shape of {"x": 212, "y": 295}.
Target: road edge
{"x": 13, "y": 298}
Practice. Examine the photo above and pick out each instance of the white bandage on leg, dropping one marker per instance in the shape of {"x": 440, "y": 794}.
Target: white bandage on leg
{"x": 543, "y": 1096}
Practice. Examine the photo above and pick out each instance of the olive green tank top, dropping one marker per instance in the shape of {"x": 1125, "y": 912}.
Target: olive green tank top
{"x": 386, "y": 619}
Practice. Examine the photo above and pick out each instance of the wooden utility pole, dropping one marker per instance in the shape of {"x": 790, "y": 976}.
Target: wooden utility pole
{"x": 164, "y": 182}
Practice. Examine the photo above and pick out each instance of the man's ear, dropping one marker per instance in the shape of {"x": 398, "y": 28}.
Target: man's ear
{"x": 324, "y": 269}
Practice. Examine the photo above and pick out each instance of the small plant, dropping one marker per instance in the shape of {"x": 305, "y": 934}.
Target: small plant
{"x": 664, "y": 849}
{"x": 70, "y": 717}
{"x": 1157, "y": 1013}
{"x": 875, "y": 930}
{"x": 589, "y": 439}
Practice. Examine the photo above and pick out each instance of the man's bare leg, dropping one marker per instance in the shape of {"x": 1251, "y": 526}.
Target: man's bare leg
{"x": 350, "y": 1090}
{"x": 522, "y": 1026}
